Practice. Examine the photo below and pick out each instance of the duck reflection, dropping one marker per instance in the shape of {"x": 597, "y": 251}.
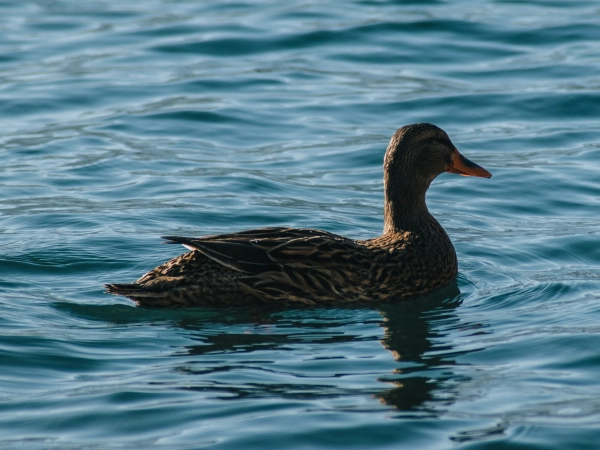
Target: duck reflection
{"x": 410, "y": 335}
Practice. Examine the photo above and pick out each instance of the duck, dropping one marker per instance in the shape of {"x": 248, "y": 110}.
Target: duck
{"x": 285, "y": 266}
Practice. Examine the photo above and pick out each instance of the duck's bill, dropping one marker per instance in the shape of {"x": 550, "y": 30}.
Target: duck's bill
{"x": 463, "y": 166}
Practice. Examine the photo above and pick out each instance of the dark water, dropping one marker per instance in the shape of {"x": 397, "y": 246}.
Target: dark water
{"x": 124, "y": 121}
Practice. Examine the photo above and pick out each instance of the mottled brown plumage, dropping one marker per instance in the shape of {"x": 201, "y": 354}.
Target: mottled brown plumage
{"x": 413, "y": 256}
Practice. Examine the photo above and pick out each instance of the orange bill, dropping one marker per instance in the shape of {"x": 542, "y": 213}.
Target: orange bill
{"x": 463, "y": 166}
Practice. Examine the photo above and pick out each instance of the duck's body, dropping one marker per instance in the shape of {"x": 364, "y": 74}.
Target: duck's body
{"x": 414, "y": 255}
{"x": 303, "y": 266}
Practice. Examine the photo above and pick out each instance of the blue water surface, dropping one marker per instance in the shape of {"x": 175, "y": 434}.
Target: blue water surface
{"x": 124, "y": 121}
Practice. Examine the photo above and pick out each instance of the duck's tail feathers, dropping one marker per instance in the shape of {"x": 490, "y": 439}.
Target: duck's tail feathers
{"x": 125, "y": 289}
{"x": 142, "y": 296}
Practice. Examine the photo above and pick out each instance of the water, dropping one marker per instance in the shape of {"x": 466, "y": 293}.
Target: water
{"x": 124, "y": 121}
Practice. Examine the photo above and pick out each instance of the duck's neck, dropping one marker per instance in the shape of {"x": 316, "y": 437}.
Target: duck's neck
{"x": 405, "y": 208}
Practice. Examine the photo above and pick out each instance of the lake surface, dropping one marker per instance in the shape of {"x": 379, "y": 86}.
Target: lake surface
{"x": 125, "y": 121}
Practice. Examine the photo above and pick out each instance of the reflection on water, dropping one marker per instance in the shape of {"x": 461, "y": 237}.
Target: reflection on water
{"x": 409, "y": 336}
{"x": 313, "y": 353}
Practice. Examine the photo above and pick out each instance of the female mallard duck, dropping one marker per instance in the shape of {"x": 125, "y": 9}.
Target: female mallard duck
{"x": 413, "y": 256}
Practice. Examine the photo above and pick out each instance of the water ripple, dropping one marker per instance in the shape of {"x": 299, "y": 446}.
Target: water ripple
{"x": 124, "y": 122}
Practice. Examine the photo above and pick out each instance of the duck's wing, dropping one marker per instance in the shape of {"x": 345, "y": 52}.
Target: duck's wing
{"x": 273, "y": 249}
{"x": 288, "y": 264}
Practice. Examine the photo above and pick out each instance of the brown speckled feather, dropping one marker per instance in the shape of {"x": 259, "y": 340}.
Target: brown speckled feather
{"x": 413, "y": 257}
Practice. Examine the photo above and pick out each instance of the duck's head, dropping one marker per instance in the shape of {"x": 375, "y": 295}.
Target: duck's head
{"x": 421, "y": 151}
{"x": 417, "y": 154}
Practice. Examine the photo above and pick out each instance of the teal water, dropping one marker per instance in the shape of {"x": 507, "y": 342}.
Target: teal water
{"x": 124, "y": 121}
